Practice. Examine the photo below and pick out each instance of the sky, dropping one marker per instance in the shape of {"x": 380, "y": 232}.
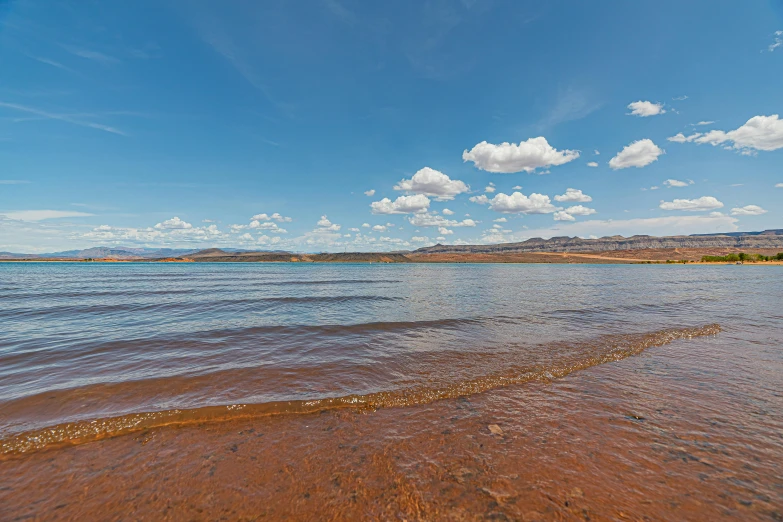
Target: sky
{"x": 345, "y": 125}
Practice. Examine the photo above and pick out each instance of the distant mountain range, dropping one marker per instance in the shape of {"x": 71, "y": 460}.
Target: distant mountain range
{"x": 764, "y": 240}
{"x": 113, "y": 253}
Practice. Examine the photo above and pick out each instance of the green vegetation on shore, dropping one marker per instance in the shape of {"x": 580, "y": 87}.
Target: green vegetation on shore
{"x": 741, "y": 257}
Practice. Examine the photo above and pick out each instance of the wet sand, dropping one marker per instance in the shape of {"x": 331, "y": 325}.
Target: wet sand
{"x": 637, "y": 439}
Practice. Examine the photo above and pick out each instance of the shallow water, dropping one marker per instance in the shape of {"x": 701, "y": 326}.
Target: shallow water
{"x": 603, "y": 375}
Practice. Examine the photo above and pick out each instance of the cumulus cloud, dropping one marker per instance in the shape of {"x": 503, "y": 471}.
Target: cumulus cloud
{"x": 443, "y": 231}
{"x": 779, "y": 185}
{"x": 562, "y": 215}
{"x": 509, "y": 157}
{"x": 379, "y": 228}
{"x": 431, "y": 182}
{"x": 681, "y": 138}
{"x": 677, "y": 183}
{"x": 402, "y": 205}
{"x": 268, "y": 225}
{"x": 694, "y": 205}
{"x": 758, "y": 133}
{"x": 370, "y": 192}
{"x": 518, "y": 203}
{"x": 579, "y": 210}
{"x": 326, "y": 225}
{"x": 173, "y": 223}
{"x": 433, "y": 220}
{"x": 500, "y": 220}
{"x": 592, "y": 164}
{"x": 273, "y": 217}
{"x": 748, "y": 210}
{"x": 638, "y": 154}
{"x": 489, "y": 189}
{"x": 645, "y": 108}
{"x": 40, "y": 215}
{"x": 572, "y": 194}
{"x": 448, "y": 212}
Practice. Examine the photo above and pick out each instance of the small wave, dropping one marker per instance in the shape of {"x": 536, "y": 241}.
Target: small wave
{"x": 603, "y": 350}
{"x": 70, "y": 310}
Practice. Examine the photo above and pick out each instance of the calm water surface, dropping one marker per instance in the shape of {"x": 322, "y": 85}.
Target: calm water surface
{"x": 89, "y": 351}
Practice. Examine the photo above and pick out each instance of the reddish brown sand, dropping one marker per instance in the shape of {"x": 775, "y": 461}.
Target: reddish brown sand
{"x": 637, "y": 439}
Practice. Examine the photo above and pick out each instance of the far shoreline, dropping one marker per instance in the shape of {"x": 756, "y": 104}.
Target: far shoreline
{"x": 679, "y": 256}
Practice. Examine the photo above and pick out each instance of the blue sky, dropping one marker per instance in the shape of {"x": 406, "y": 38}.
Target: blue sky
{"x": 270, "y": 124}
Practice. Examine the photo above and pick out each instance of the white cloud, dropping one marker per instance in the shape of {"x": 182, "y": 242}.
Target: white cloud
{"x": 354, "y": 229}
{"x": 702, "y": 123}
{"x": 681, "y": 138}
{"x": 326, "y": 225}
{"x": 266, "y": 240}
{"x": 645, "y": 108}
{"x": 432, "y": 220}
{"x": 431, "y": 182}
{"x": 420, "y": 239}
{"x": 40, "y": 215}
{"x": 680, "y": 98}
{"x": 508, "y": 157}
{"x": 448, "y": 212}
{"x": 273, "y": 217}
{"x": 365, "y": 225}
{"x": 748, "y": 210}
{"x": 402, "y": 205}
{"x": 758, "y": 133}
{"x": 379, "y": 228}
{"x": 596, "y": 152}
{"x": 443, "y": 231}
{"x": 778, "y": 41}
{"x": 370, "y": 192}
{"x": 572, "y": 194}
{"x": 519, "y": 203}
{"x": 173, "y": 223}
{"x": 489, "y": 189}
{"x": 268, "y": 225}
{"x": 481, "y": 199}
{"x": 592, "y": 164}
{"x": 638, "y": 154}
{"x": 500, "y": 220}
{"x": 694, "y": 205}
{"x": 516, "y": 187}
{"x": 779, "y": 185}
{"x": 676, "y": 183}
{"x": 579, "y": 210}
{"x": 562, "y": 215}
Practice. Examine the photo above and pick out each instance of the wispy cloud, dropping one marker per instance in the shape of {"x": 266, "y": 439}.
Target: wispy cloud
{"x": 39, "y": 215}
{"x": 89, "y": 54}
{"x": 47, "y": 61}
{"x": 340, "y": 11}
{"x": 61, "y": 117}
{"x": 571, "y": 104}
